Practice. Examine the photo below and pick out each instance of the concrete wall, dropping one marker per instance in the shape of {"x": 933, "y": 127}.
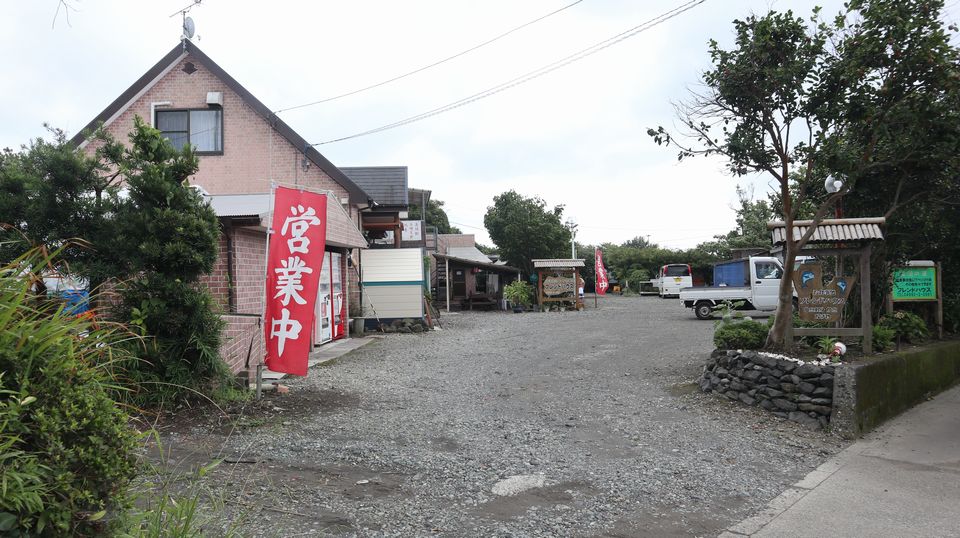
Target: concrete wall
{"x": 868, "y": 393}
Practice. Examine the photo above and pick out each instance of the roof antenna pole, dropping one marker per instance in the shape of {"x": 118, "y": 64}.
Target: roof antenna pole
{"x": 189, "y": 28}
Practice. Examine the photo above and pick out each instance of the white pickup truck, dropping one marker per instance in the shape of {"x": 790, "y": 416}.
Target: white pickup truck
{"x": 762, "y": 293}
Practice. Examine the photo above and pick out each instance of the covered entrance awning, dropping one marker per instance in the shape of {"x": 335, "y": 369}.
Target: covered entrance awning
{"x": 253, "y": 210}
{"x": 467, "y": 264}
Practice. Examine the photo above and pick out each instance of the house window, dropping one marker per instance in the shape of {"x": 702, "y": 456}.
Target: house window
{"x": 203, "y": 128}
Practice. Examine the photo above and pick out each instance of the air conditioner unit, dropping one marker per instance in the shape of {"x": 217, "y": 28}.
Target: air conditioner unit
{"x": 215, "y": 98}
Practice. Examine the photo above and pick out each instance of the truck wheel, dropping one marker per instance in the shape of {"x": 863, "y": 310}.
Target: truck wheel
{"x": 796, "y": 307}
{"x": 703, "y": 310}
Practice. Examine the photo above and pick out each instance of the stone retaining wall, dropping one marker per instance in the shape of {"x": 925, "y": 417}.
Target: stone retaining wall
{"x": 801, "y": 392}
{"x": 876, "y": 389}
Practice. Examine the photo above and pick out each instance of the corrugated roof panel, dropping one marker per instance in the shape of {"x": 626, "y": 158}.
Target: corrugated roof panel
{"x": 557, "y": 263}
{"x": 830, "y": 231}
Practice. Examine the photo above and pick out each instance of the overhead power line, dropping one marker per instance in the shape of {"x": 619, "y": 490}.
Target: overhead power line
{"x": 531, "y": 75}
{"x": 434, "y": 64}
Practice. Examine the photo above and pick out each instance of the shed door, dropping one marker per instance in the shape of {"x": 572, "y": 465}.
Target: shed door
{"x": 459, "y": 283}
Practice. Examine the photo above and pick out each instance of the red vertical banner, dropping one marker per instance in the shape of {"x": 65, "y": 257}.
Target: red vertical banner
{"x": 294, "y": 261}
{"x": 602, "y": 282}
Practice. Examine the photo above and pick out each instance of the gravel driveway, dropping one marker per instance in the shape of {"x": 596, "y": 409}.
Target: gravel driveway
{"x": 598, "y": 410}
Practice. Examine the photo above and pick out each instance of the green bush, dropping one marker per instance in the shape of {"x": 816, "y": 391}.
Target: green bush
{"x": 518, "y": 292}
{"x": 67, "y": 449}
{"x": 883, "y": 337}
{"x": 742, "y": 334}
{"x": 182, "y": 330}
{"x": 906, "y": 325}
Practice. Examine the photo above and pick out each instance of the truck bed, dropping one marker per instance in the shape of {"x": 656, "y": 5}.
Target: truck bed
{"x": 715, "y": 293}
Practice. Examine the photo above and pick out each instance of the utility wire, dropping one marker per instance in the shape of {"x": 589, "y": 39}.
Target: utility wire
{"x": 537, "y": 73}
{"x": 434, "y": 64}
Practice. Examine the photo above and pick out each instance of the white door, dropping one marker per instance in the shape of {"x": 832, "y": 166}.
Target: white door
{"x": 766, "y": 284}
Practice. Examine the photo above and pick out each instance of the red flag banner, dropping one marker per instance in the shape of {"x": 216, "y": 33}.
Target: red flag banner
{"x": 294, "y": 260}
{"x": 602, "y": 282}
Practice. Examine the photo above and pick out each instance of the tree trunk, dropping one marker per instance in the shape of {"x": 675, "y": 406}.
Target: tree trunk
{"x": 777, "y": 337}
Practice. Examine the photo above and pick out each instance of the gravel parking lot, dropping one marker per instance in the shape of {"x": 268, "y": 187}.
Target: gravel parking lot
{"x": 596, "y": 412}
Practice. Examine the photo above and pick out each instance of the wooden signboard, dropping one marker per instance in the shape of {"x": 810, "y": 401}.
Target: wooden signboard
{"x": 914, "y": 284}
{"x": 918, "y": 281}
{"x": 558, "y": 285}
{"x": 819, "y": 301}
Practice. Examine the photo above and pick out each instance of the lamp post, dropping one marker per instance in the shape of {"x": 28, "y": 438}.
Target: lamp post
{"x": 572, "y": 226}
{"x": 833, "y": 185}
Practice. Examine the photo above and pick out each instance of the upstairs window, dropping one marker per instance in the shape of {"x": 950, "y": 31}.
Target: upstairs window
{"x": 202, "y": 129}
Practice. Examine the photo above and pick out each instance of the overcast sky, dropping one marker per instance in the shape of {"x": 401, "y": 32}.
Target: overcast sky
{"x": 576, "y": 136}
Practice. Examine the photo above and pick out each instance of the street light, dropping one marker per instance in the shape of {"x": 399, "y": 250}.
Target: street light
{"x": 572, "y": 226}
{"x": 833, "y": 185}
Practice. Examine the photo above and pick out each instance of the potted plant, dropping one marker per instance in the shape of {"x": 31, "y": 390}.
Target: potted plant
{"x": 519, "y": 293}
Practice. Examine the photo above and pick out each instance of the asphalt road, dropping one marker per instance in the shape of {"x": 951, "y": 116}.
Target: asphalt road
{"x": 598, "y": 410}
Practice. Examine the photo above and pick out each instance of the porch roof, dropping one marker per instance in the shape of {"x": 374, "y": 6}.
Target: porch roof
{"x": 474, "y": 263}
{"x": 557, "y": 263}
{"x": 852, "y": 230}
{"x": 257, "y": 206}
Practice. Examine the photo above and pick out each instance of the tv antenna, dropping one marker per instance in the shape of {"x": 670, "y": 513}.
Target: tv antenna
{"x": 189, "y": 28}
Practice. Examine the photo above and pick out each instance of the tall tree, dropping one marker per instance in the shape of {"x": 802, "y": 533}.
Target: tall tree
{"x": 800, "y": 100}
{"x": 436, "y": 216}
{"x": 164, "y": 238}
{"x": 525, "y": 229}
{"x": 47, "y": 199}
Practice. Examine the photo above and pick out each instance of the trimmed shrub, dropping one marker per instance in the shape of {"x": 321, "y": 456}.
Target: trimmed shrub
{"x": 67, "y": 449}
{"x": 743, "y": 334}
{"x": 883, "y": 337}
{"x": 906, "y": 325}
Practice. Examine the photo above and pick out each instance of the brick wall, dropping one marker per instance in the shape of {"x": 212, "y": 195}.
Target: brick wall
{"x": 353, "y": 283}
{"x": 254, "y": 154}
{"x": 249, "y": 256}
{"x": 236, "y": 341}
{"x": 218, "y": 281}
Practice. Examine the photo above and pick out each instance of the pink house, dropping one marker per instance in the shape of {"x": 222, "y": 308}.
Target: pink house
{"x": 244, "y": 148}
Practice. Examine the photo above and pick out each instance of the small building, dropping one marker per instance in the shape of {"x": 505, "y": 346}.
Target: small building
{"x": 463, "y": 277}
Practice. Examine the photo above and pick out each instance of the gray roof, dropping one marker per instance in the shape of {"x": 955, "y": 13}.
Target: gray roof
{"x": 538, "y": 264}
{"x": 387, "y": 185}
{"x": 831, "y": 230}
{"x": 488, "y": 265}
{"x": 468, "y": 253}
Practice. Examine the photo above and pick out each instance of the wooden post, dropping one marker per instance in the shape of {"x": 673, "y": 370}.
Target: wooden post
{"x": 577, "y": 305}
{"x": 446, "y": 267}
{"x": 939, "y": 302}
{"x": 866, "y": 312}
{"x": 888, "y": 296}
{"x": 540, "y": 289}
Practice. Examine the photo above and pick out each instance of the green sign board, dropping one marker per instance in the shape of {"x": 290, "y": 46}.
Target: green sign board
{"x": 915, "y": 284}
